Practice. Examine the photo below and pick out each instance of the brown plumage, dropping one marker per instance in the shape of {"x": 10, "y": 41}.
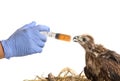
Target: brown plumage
{"x": 102, "y": 64}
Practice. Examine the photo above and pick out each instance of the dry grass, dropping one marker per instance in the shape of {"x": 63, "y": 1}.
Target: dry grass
{"x": 66, "y": 74}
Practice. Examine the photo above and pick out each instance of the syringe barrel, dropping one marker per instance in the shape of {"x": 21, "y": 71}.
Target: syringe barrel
{"x": 58, "y": 36}
{"x": 64, "y": 37}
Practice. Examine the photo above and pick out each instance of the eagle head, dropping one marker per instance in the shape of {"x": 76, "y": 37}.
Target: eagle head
{"x": 86, "y": 41}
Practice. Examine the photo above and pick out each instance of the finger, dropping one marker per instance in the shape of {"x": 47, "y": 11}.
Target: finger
{"x": 43, "y": 28}
{"x": 38, "y": 44}
{"x": 36, "y": 49}
{"x": 38, "y": 36}
{"x": 41, "y": 44}
{"x": 39, "y": 50}
{"x": 32, "y": 24}
{"x": 43, "y": 37}
{"x": 38, "y": 41}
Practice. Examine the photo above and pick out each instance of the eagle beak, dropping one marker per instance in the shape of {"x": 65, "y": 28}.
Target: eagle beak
{"x": 76, "y": 38}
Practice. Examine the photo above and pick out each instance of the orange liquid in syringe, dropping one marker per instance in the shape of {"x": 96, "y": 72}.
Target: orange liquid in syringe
{"x": 63, "y": 37}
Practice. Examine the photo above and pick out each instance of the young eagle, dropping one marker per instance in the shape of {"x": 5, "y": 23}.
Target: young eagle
{"x": 102, "y": 64}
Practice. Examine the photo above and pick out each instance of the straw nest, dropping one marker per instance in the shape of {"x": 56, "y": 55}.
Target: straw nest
{"x": 66, "y": 74}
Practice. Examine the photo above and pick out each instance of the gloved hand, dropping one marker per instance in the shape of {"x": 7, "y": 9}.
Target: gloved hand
{"x": 25, "y": 41}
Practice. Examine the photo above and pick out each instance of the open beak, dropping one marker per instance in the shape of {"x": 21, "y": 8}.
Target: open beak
{"x": 76, "y": 38}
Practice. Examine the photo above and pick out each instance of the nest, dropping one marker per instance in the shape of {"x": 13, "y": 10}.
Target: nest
{"x": 66, "y": 74}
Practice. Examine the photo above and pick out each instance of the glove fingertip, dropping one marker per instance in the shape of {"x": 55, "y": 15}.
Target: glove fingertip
{"x": 38, "y": 50}
{"x": 43, "y": 28}
{"x": 33, "y": 23}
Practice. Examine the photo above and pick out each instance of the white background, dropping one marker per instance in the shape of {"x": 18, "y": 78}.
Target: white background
{"x": 99, "y": 18}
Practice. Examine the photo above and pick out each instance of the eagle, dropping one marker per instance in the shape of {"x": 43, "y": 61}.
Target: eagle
{"x": 101, "y": 64}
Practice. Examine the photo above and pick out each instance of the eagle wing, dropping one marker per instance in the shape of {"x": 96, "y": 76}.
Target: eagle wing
{"x": 110, "y": 70}
{"x": 111, "y": 56}
{"x": 109, "y": 65}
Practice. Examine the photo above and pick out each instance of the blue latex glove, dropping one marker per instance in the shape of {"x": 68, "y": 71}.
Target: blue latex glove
{"x": 25, "y": 41}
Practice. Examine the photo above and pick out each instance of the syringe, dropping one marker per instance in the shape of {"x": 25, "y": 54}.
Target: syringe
{"x": 58, "y": 36}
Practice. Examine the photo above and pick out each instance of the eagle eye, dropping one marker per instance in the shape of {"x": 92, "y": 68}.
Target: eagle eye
{"x": 84, "y": 39}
